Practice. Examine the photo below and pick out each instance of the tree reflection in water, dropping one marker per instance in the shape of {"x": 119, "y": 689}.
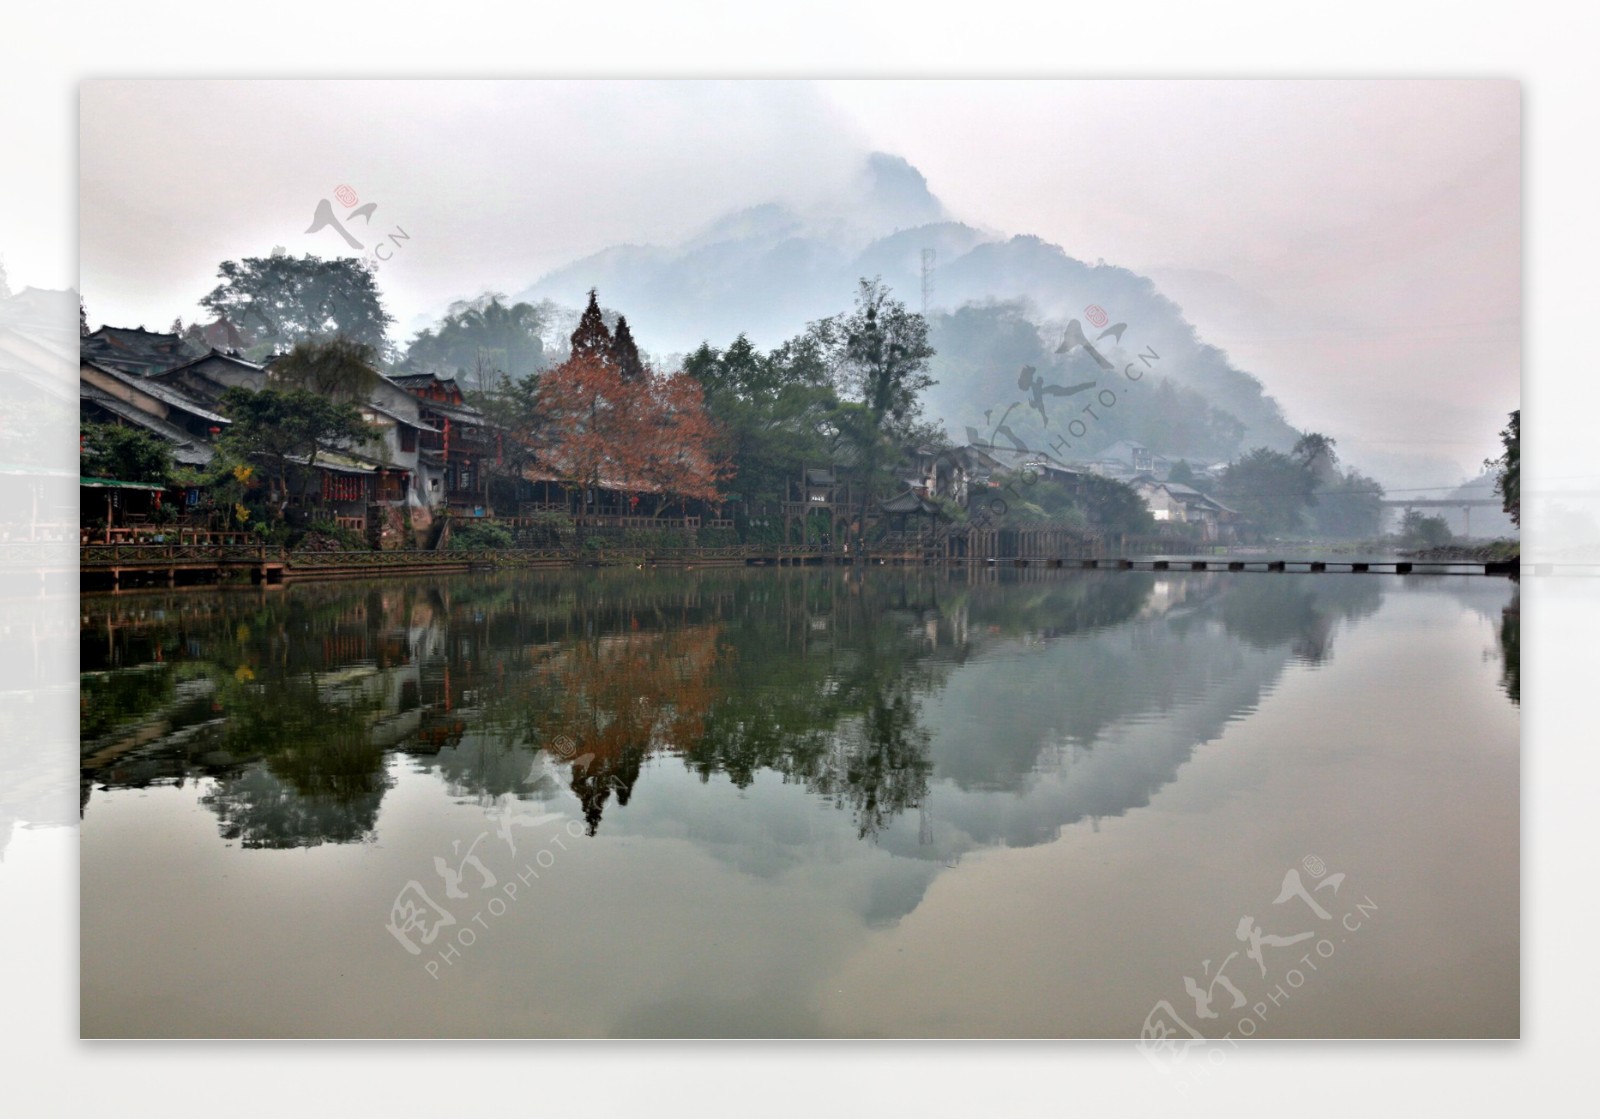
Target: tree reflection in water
{"x": 1511, "y": 648}
{"x": 294, "y": 706}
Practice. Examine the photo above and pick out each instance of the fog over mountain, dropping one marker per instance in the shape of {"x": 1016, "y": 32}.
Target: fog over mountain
{"x": 996, "y": 303}
{"x": 1354, "y": 245}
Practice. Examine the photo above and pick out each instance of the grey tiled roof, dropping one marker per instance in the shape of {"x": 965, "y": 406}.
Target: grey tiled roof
{"x": 163, "y": 393}
{"x": 185, "y": 448}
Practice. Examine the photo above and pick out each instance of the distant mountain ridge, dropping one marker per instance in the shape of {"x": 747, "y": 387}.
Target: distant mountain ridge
{"x": 769, "y": 269}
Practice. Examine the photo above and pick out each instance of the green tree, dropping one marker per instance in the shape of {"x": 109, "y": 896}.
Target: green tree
{"x": 773, "y": 408}
{"x": 846, "y": 390}
{"x": 1090, "y": 503}
{"x": 884, "y": 353}
{"x": 288, "y": 428}
{"x": 1272, "y": 490}
{"x": 1508, "y": 481}
{"x": 1182, "y": 473}
{"x": 517, "y": 409}
{"x": 1113, "y": 507}
{"x": 1423, "y": 531}
{"x": 1316, "y": 451}
{"x": 881, "y": 357}
{"x": 285, "y": 300}
{"x": 123, "y": 453}
{"x": 339, "y": 369}
{"x": 1350, "y": 507}
{"x": 485, "y": 339}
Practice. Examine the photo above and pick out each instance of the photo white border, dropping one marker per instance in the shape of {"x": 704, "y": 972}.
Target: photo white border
{"x": 46, "y": 49}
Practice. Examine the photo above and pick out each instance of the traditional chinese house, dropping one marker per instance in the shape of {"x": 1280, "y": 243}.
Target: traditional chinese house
{"x": 134, "y": 350}
{"x": 208, "y": 377}
{"x": 457, "y": 444}
{"x": 108, "y": 395}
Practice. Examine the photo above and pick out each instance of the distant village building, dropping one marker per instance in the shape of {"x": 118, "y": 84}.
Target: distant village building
{"x": 1125, "y": 460}
{"x": 990, "y": 461}
{"x": 1178, "y": 503}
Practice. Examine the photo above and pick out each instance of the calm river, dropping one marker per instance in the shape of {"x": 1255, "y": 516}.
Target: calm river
{"x": 804, "y": 803}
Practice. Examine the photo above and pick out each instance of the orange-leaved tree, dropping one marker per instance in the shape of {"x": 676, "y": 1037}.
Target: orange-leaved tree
{"x": 591, "y": 416}
{"x": 609, "y": 421}
{"x": 683, "y": 451}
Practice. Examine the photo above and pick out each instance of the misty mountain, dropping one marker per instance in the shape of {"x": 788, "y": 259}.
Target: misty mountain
{"x": 768, "y": 270}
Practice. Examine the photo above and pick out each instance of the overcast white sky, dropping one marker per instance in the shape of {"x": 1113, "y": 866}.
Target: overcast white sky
{"x": 1356, "y": 245}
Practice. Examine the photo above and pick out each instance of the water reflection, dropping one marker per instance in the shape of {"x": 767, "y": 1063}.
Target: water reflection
{"x": 792, "y": 802}
{"x": 1080, "y": 693}
{"x": 1511, "y": 648}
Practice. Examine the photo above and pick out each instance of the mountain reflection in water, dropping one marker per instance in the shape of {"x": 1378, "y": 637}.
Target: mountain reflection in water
{"x": 793, "y": 802}
{"x": 290, "y": 705}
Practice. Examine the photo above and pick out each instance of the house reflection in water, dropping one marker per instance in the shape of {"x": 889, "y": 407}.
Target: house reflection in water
{"x": 292, "y": 708}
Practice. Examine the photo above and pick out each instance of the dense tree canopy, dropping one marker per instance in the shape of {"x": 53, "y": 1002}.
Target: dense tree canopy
{"x": 1424, "y": 530}
{"x": 883, "y": 354}
{"x": 339, "y": 369}
{"x": 845, "y": 391}
{"x": 1508, "y": 480}
{"x": 1088, "y": 504}
{"x": 645, "y": 431}
{"x": 772, "y": 410}
{"x": 484, "y": 343}
{"x": 124, "y": 453}
{"x": 1317, "y": 452}
{"x": 283, "y": 300}
{"x": 1350, "y": 507}
{"x": 592, "y": 339}
{"x": 625, "y": 352}
{"x": 287, "y": 428}
{"x": 1271, "y": 489}
{"x": 879, "y": 353}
